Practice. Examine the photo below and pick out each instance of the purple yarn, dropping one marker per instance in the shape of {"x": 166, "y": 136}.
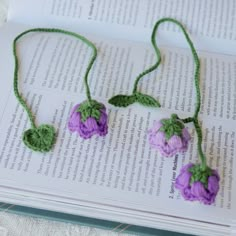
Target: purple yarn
{"x": 197, "y": 191}
{"x": 168, "y": 148}
{"x": 91, "y": 126}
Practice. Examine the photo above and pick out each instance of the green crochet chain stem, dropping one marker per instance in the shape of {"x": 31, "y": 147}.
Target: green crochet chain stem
{"x": 42, "y": 138}
{"x": 121, "y": 100}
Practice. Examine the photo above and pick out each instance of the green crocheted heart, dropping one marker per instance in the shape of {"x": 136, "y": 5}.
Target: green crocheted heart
{"x": 40, "y": 139}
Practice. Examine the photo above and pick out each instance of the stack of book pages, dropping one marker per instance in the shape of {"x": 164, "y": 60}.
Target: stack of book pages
{"x": 119, "y": 177}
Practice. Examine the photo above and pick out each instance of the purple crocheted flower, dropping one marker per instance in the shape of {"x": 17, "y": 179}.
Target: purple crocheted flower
{"x": 88, "y": 120}
{"x": 169, "y": 136}
{"x": 197, "y": 185}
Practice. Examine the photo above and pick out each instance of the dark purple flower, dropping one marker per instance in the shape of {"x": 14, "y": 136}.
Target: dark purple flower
{"x": 202, "y": 187}
{"x": 91, "y": 125}
{"x": 169, "y": 137}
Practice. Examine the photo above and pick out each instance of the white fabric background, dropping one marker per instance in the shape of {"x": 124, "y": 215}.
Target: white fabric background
{"x": 16, "y": 225}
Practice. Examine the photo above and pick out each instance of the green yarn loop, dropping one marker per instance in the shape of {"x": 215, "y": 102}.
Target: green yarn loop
{"x": 42, "y": 138}
{"x": 90, "y": 109}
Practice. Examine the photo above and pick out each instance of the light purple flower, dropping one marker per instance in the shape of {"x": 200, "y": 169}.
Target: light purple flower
{"x": 90, "y": 126}
{"x": 198, "y": 191}
{"x": 177, "y": 142}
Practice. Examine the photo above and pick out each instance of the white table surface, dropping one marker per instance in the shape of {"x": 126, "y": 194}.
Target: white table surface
{"x": 16, "y": 225}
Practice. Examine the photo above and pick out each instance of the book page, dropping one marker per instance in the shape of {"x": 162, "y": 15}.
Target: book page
{"x": 119, "y": 170}
{"x": 211, "y": 23}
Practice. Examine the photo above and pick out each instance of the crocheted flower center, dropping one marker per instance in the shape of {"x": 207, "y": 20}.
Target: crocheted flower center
{"x": 198, "y": 174}
{"x": 90, "y": 109}
{"x": 171, "y": 127}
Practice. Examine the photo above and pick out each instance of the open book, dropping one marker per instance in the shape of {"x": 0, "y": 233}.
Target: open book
{"x": 119, "y": 177}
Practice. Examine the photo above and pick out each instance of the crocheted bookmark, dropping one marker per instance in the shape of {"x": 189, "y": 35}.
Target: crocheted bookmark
{"x": 196, "y": 182}
{"x": 39, "y": 138}
{"x": 43, "y": 137}
{"x": 169, "y": 136}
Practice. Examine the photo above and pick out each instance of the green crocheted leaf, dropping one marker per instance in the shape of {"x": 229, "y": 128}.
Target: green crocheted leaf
{"x": 92, "y": 104}
{"x": 146, "y": 100}
{"x": 95, "y": 114}
{"x": 200, "y": 175}
{"x": 90, "y": 109}
{"x": 171, "y": 127}
{"x": 85, "y": 114}
{"x": 122, "y": 100}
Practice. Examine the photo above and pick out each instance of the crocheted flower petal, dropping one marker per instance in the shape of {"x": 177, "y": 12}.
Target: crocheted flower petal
{"x": 185, "y": 134}
{"x": 187, "y": 195}
{"x": 91, "y": 124}
{"x": 88, "y": 128}
{"x": 167, "y": 150}
{"x": 187, "y": 167}
{"x": 156, "y": 126}
{"x": 103, "y": 130}
{"x": 198, "y": 189}
{"x": 103, "y": 117}
{"x": 152, "y": 141}
{"x": 157, "y": 139}
{"x": 216, "y": 174}
{"x": 183, "y": 180}
{"x": 213, "y": 185}
{"x": 160, "y": 139}
{"x": 175, "y": 142}
{"x": 75, "y": 108}
{"x": 102, "y": 126}
{"x": 201, "y": 194}
{"x": 75, "y": 119}
{"x": 185, "y": 139}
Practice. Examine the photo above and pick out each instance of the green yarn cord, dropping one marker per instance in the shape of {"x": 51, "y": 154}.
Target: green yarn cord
{"x": 198, "y": 174}
{"x": 42, "y": 138}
